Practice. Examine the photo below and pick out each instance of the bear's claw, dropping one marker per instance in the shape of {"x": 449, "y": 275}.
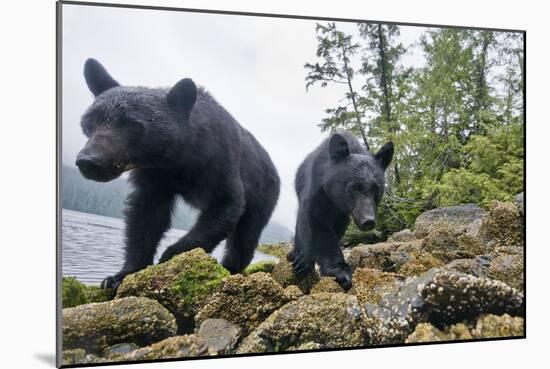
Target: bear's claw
{"x": 111, "y": 282}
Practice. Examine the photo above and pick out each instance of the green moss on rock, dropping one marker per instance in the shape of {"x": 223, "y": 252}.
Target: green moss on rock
{"x": 96, "y": 294}
{"x": 331, "y": 318}
{"x": 262, "y": 266}
{"x": 181, "y": 284}
{"x": 73, "y": 292}
{"x": 284, "y": 275}
{"x": 244, "y": 301}
{"x": 94, "y": 327}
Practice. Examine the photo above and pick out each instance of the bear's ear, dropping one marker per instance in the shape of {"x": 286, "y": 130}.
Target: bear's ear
{"x": 97, "y": 77}
{"x": 182, "y": 96}
{"x": 338, "y": 147}
{"x": 384, "y": 155}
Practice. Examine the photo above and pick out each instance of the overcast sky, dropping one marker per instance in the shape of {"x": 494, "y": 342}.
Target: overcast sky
{"x": 253, "y": 66}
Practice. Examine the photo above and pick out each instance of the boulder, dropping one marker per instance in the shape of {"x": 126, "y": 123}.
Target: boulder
{"x": 457, "y": 218}
{"x": 326, "y": 284}
{"x": 386, "y": 256}
{"x": 370, "y": 285}
{"x": 181, "y": 284}
{"x": 404, "y": 235}
{"x": 114, "y": 352}
{"x": 418, "y": 263}
{"x": 220, "y": 335}
{"x": 444, "y": 297}
{"x": 487, "y": 326}
{"x": 440, "y": 297}
{"x": 284, "y": 275}
{"x": 425, "y": 332}
{"x": 507, "y": 267}
{"x": 490, "y": 326}
{"x": 293, "y": 292}
{"x": 502, "y": 225}
{"x": 331, "y": 318}
{"x": 244, "y": 301}
{"x": 478, "y": 267}
{"x": 170, "y": 348}
{"x": 446, "y": 244}
{"x": 94, "y": 327}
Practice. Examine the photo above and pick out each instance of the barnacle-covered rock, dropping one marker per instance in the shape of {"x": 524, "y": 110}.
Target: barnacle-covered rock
{"x": 94, "y": 327}
{"x": 284, "y": 275}
{"x": 459, "y": 219}
{"x": 244, "y": 301}
{"x": 170, "y": 348}
{"x": 331, "y": 318}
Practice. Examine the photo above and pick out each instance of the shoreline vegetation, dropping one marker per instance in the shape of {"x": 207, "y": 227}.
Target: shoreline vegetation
{"x": 457, "y": 275}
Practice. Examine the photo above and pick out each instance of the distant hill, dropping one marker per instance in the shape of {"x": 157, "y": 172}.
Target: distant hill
{"x": 108, "y": 199}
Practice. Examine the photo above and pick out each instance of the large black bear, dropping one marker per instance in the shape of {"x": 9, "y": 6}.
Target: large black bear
{"x": 338, "y": 179}
{"x": 178, "y": 142}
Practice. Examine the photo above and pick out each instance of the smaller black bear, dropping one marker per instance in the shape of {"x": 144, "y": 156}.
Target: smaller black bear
{"x": 338, "y": 179}
{"x": 179, "y": 142}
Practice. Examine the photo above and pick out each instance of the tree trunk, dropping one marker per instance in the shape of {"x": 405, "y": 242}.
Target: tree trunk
{"x": 386, "y": 90}
{"x": 354, "y": 101}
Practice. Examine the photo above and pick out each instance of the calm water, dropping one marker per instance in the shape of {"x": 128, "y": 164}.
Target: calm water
{"x": 93, "y": 246}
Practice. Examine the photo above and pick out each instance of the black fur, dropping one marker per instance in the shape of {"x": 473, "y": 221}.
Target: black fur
{"x": 338, "y": 179}
{"x": 179, "y": 142}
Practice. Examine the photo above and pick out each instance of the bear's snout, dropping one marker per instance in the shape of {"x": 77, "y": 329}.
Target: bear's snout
{"x": 366, "y": 224}
{"x": 92, "y": 167}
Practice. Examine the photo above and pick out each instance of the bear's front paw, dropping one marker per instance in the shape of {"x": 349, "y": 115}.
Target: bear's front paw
{"x": 168, "y": 254}
{"x": 112, "y": 282}
{"x": 302, "y": 265}
{"x": 341, "y": 273}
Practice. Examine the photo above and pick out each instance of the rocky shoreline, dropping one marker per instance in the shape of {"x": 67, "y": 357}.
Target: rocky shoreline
{"x": 457, "y": 276}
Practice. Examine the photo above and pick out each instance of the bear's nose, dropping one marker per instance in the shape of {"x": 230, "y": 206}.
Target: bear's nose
{"x": 89, "y": 165}
{"x": 367, "y": 224}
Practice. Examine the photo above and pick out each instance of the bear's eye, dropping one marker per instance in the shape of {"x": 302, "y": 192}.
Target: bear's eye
{"x": 355, "y": 187}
